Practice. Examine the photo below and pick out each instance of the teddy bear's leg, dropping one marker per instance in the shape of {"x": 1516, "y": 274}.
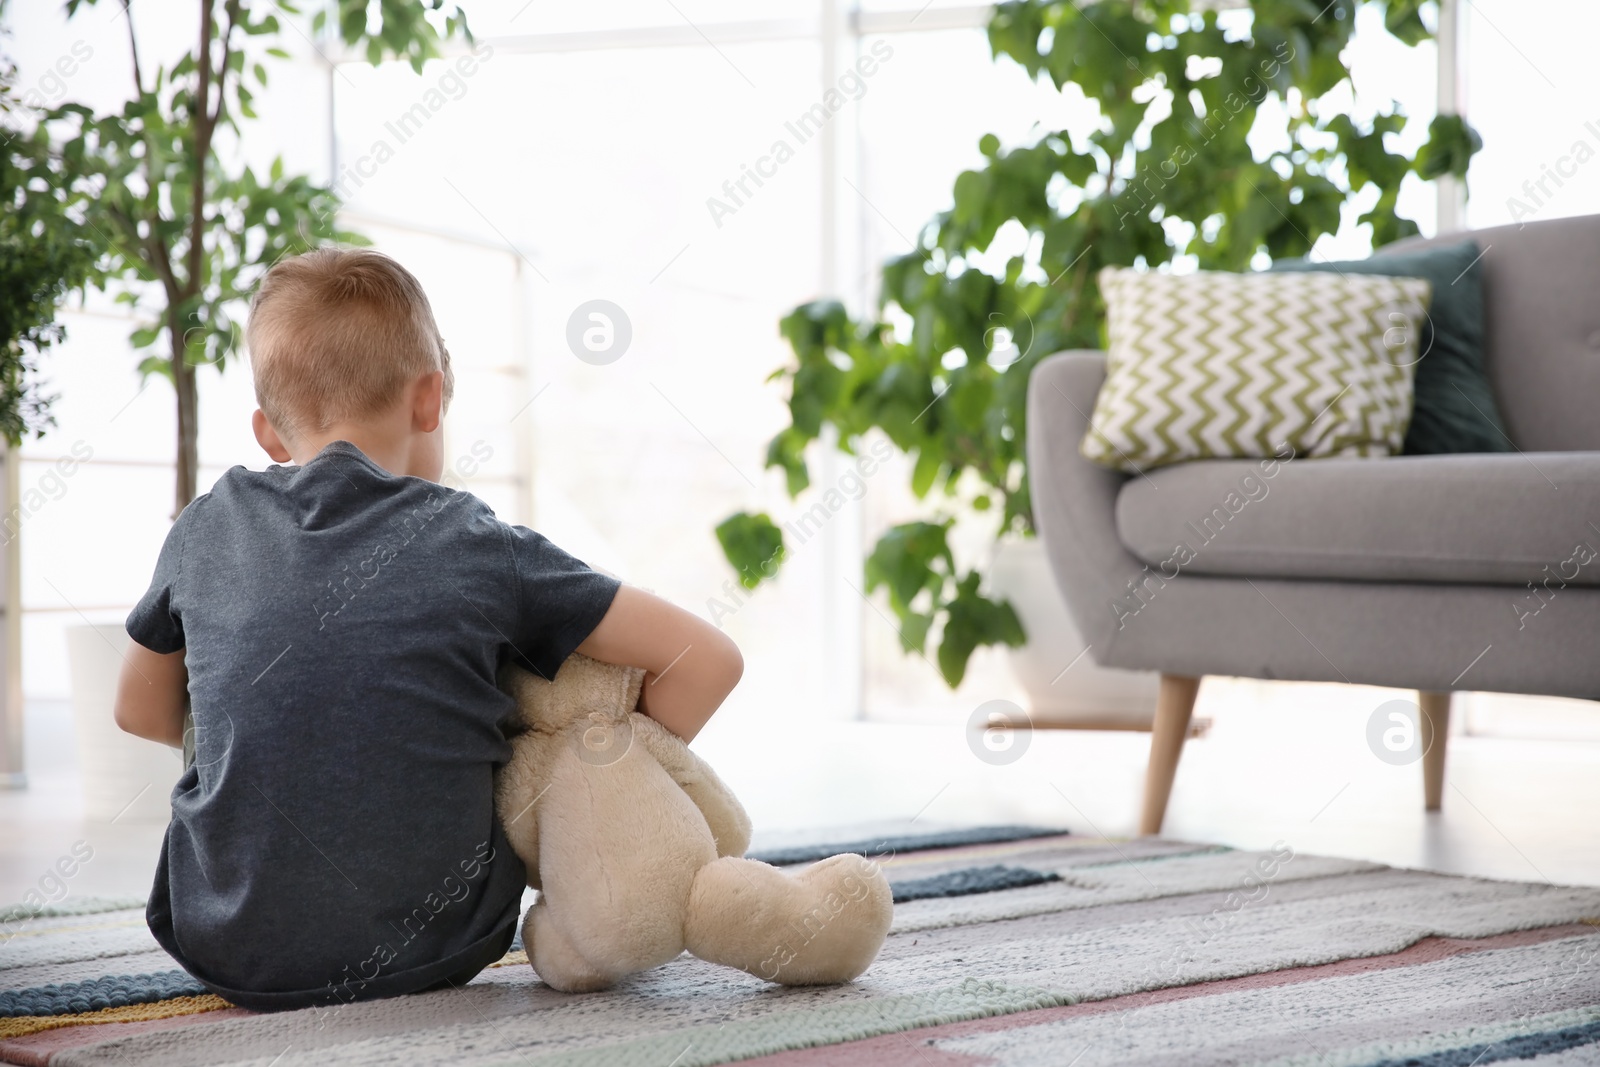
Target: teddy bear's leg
{"x": 555, "y": 959}
{"x": 822, "y": 925}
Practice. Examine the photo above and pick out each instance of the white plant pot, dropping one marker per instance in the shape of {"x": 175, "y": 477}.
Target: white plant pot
{"x": 125, "y": 778}
{"x": 1085, "y": 694}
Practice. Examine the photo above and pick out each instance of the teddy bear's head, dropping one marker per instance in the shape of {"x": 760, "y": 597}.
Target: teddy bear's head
{"x": 583, "y": 689}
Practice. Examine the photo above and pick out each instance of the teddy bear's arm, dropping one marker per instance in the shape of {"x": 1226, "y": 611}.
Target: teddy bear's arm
{"x": 730, "y": 826}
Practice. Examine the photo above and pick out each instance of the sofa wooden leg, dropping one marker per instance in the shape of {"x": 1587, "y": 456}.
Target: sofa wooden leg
{"x": 1435, "y": 727}
{"x": 1174, "y": 705}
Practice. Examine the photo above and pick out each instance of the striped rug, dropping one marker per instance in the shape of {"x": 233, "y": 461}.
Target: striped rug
{"x": 1045, "y": 949}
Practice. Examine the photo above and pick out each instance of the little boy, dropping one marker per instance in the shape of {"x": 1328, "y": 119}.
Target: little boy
{"x": 337, "y": 626}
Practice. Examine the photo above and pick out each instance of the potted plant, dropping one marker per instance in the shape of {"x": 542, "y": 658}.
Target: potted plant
{"x": 46, "y": 253}
{"x": 940, "y": 367}
{"x": 188, "y": 230}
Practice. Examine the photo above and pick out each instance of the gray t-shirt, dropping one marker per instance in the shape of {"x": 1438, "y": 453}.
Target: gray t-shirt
{"x": 336, "y": 838}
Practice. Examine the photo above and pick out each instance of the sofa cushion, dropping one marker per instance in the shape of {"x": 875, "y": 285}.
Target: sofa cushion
{"x": 1502, "y": 518}
{"x": 1212, "y": 365}
{"x": 1541, "y": 327}
{"x": 1455, "y": 409}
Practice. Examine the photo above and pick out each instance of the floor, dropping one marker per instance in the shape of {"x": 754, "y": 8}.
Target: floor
{"x": 1282, "y": 763}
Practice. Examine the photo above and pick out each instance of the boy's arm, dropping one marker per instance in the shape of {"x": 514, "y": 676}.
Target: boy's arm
{"x": 690, "y": 666}
{"x": 150, "y": 695}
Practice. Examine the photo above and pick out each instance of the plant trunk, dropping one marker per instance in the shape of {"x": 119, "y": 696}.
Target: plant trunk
{"x": 205, "y": 123}
{"x": 183, "y": 382}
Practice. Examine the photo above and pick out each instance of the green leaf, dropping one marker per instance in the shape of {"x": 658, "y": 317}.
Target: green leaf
{"x": 158, "y": 365}
{"x": 907, "y": 560}
{"x": 1403, "y": 18}
{"x": 974, "y": 621}
{"x": 753, "y": 544}
{"x": 787, "y": 450}
{"x": 926, "y": 471}
{"x": 1451, "y": 144}
{"x": 914, "y": 627}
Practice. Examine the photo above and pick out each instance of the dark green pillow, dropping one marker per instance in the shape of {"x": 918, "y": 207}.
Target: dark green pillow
{"x": 1455, "y": 409}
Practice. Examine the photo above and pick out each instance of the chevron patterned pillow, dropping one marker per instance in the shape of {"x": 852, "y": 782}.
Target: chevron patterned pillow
{"x": 1217, "y": 365}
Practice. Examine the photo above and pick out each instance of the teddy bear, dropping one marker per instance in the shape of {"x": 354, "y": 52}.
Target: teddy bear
{"x": 636, "y": 848}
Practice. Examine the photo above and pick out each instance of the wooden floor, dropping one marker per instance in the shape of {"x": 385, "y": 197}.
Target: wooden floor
{"x": 1281, "y": 763}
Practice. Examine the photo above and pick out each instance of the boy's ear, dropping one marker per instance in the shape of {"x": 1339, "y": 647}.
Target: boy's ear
{"x": 268, "y": 438}
{"x": 427, "y": 402}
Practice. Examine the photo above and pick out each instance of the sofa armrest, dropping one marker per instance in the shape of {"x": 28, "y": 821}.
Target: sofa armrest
{"x": 1074, "y": 500}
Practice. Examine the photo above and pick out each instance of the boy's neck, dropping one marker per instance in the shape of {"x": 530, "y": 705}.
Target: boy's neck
{"x": 407, "y": 439}
{"x": 398, "y": 454}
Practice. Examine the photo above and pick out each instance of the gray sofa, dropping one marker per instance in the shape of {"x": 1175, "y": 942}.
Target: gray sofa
{"x": 1434, "y": 573}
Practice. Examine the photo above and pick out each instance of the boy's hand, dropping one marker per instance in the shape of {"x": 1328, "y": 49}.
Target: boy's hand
{"x": 151, "y": 693}
{"x": 691, "y": 666}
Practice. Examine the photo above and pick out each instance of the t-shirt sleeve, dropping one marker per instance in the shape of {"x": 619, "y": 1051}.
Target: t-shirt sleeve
{"x": 156, "y": 621}
{"x": 560, "y": 600}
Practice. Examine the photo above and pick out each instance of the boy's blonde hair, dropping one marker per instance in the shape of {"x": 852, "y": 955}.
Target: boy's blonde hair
{"x": 336, "y": 334}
